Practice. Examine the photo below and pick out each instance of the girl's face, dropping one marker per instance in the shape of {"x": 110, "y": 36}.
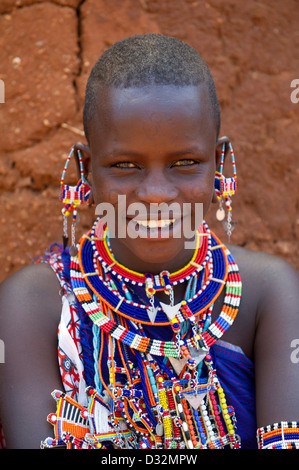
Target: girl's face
{"x": 150, "y": 146}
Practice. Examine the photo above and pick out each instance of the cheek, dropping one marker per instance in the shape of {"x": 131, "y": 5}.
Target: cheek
{"x": 199, "y": 195}
{"x": 200, "y": 190}
{"x": 105, "y": 190}
{"x": 107, "y": 195}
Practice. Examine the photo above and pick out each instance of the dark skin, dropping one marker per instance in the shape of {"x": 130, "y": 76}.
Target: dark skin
{"x": 153, "y": 145}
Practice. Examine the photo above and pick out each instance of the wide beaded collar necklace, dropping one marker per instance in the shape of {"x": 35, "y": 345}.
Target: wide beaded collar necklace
{"x": 91, "y": 277}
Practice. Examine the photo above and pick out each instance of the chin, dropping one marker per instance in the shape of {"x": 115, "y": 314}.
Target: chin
{"x": 160, "y": 253}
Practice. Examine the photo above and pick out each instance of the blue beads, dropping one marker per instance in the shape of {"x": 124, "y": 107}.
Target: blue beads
{"x": 201, "y": 430}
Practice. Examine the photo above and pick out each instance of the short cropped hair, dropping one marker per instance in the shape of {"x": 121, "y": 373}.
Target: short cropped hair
{"x": 149, "y": 59}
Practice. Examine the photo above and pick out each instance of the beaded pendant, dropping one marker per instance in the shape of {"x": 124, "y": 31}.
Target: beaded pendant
{"x": 189, "y": 414}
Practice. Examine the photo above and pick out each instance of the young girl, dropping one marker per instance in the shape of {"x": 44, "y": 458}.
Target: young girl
{"x": 167, "y": 338}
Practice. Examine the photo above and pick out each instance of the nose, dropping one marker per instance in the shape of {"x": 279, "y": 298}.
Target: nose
{"x": 156, "y": 188}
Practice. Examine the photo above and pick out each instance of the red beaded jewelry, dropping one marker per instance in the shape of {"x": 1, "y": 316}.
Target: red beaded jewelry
{"x": 225, "y": 188}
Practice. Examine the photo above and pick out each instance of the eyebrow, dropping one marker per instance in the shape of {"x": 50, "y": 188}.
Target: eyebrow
{"x": 187, "y": 151}
{"x": 175, "y": 153}
{"x": 122, "y": 153}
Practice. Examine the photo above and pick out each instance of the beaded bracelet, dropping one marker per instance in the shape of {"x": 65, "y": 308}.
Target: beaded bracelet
{"x": 283, "y": 435}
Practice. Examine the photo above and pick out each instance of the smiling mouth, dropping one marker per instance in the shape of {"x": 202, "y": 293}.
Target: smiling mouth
{"x": 155, "y": 228}
{"x": 154, "y": 224}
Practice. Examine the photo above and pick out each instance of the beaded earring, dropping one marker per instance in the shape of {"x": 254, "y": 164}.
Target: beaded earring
{"x": 72, "y": 197}
{"x": 225, "y": 188}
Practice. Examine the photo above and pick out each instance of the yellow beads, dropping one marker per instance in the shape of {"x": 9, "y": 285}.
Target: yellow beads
{"x": 226, "y": 416}
{"x": 165, "y": 414}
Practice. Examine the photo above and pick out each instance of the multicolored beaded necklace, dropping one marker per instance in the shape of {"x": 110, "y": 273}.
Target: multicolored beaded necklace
{"x": 151, "y": 359}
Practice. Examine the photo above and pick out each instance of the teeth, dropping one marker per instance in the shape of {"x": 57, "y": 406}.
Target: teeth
{"x": 155, "y": 223}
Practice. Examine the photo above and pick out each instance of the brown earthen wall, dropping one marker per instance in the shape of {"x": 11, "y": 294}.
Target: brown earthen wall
{"x": 47, "y": 49}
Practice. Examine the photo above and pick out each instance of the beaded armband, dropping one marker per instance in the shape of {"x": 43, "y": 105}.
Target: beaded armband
{"x": 283, "y": 435}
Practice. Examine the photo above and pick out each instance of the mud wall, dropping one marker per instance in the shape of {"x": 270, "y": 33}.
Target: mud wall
{"x": 47, "y": 49}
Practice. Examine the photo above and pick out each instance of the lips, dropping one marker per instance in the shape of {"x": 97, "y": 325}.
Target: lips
{"x": 170, "y": 222}
{"x": 154, "y": 228}
{"x": 162, "y": 223}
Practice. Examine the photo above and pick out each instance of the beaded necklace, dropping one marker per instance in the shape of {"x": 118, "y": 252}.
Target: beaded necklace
{"x": 163, "y": 389}
{"x": 103, "y": 252}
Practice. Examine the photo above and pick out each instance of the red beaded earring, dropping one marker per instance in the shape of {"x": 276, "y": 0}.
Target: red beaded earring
{"x": 225, "y": 188}
{"x": 72, "y": 196}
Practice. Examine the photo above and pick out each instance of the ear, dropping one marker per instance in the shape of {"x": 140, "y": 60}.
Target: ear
{"x": 219, "y": 144}
{"x": 86, "y": 158}
{"x": 223, "y": 140}
{"x": 86, "y": 161}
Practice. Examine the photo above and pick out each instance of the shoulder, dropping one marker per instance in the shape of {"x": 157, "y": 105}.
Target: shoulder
{"x": 32, "y": 284}
{"x": 270, "y": 282}
{"x": 271, "y": 289}
{"x": 263, "y": 270}
{"x": 250, "y": 260}
{"x": 30, "y": 309}
{"x": 30, "y": 296}
{"x": 40, "y": 273}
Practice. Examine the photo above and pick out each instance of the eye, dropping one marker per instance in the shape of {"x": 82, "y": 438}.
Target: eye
{"x": 125, "y": 165}
{"x": 185, "y": 162}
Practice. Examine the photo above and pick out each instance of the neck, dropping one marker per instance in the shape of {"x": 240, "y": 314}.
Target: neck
{"x": 127, "y": 258}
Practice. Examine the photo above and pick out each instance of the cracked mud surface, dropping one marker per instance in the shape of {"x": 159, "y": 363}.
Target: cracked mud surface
{"x": 46, "y": 52}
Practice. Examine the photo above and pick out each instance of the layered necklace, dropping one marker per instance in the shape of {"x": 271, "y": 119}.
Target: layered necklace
{"x": 151, "y": 359}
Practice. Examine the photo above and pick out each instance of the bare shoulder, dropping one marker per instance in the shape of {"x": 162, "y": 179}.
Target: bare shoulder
{"x": 35, "y": 286}
{"x": 270, "y": 297}
{"x": 270, "y": 281}
{"x": 271, "y": 289}
{"x": 262, "y": 269}
{"x": 259, "y": 260}
{"x": 31, "y": 282}
{"x": 30, "y": 308}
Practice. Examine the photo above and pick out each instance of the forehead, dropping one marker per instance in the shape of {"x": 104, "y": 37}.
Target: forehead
{"x": 178, "y": 111}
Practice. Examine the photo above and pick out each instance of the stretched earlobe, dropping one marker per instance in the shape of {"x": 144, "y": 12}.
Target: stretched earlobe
{"x": 222, "y": 143}
{"x": 85, "y": 157}
{"x": 74, "y": 196}
{"x": 86, "y": 162}
{"x": 225, "y": 188}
